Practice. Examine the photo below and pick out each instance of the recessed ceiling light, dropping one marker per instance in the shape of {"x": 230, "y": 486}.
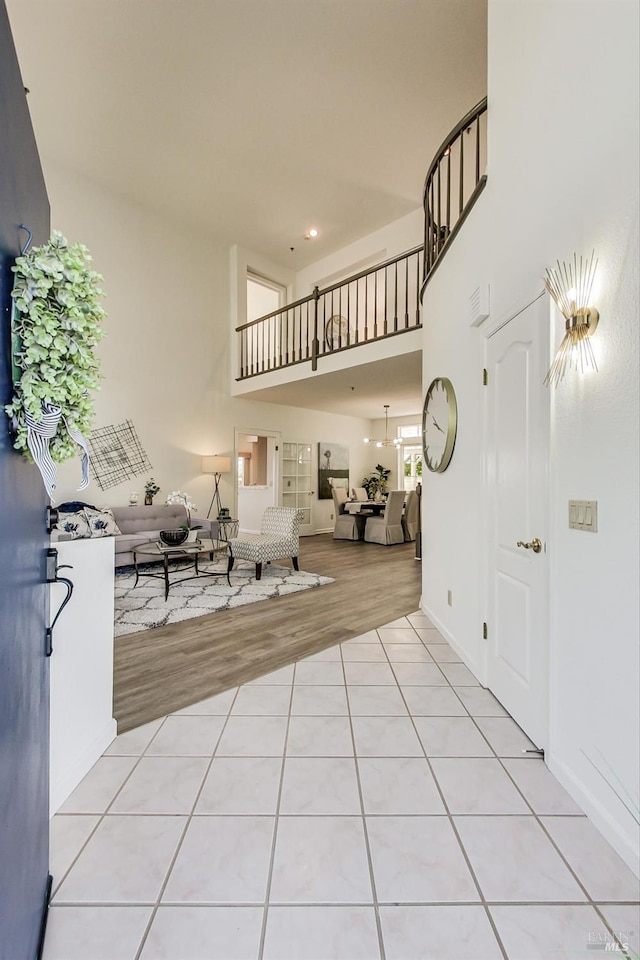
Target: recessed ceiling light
{"x": 311, "y": 234}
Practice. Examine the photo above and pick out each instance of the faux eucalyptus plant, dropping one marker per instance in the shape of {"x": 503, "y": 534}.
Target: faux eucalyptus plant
{"x": 56, "y": 321}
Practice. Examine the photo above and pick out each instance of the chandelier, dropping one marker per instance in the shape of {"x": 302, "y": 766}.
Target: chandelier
{"x": 386, "y": 442}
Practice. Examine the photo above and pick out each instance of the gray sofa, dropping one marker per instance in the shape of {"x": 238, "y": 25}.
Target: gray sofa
{"x": 141, "y": 523}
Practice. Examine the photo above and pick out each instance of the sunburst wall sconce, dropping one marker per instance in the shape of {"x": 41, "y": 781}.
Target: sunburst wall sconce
{"x": 570, "y": 285}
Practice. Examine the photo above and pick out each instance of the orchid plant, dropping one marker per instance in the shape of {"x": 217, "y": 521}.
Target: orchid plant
{"x": 176, "y": 496}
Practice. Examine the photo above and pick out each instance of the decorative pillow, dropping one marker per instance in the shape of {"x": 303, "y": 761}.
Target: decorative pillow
{"x": 101, "y": 523}
{"x": 75, "y": 524}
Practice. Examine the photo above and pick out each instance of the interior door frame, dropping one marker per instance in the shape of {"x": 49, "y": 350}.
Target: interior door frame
{"x": 490, "y": 329}
{"x": 274, "y": 461}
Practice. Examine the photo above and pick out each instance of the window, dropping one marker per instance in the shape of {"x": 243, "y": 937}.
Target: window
{"x": 263, "y": 296}
{"x": 410, "y": 456}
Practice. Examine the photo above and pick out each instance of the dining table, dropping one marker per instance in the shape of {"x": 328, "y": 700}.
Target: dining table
{"x": 374, "y": 507}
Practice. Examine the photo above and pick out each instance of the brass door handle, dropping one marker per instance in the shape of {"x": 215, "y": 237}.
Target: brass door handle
{"x": 535, "y": 545}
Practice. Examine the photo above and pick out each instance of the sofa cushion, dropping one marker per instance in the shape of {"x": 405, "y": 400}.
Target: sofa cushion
{"x": 101, "y": 522}
{"x": 75, "y": 525}
{"x": 126, "y": 541}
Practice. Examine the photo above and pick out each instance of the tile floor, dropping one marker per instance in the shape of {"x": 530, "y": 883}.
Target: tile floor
{"x": 371, "y": 802}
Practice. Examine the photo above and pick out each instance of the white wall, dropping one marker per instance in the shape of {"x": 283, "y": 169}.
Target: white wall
{"x": 563, "y": 177}
{"x": 165, "y": 359}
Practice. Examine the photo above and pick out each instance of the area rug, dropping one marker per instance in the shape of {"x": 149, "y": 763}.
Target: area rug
{"x": 144, "y": 606}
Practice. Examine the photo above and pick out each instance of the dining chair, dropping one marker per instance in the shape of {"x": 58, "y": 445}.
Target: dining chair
{"x": 387, "y": 529}
{"x": 410, "y": 517}
{"x": 347, "y": 526}
{"x": 360, "y": 493}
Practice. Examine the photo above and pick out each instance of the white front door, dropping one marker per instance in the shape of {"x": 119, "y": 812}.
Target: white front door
{"x": 297, "y": 482}
{"x": 517, "y": 431}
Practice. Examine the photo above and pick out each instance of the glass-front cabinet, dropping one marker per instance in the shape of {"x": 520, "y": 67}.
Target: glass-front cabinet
{"x": 296, "y": 479}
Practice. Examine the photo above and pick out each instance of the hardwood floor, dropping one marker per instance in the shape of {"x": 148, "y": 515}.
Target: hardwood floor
{"x": 167, "y": 668}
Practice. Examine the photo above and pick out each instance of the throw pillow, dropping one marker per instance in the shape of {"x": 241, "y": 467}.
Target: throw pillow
{"x": 75, "y": 524}
{"x": 101, "y": 523}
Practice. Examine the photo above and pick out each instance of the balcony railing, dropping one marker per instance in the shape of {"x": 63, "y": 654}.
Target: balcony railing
{"x": 453, "y": 184}
{"x": 380, "y": 302}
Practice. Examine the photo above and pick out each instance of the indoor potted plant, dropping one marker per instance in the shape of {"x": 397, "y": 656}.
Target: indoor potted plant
{"x": 150, "y": 490}
{"x": 376, "y": 483}
{"x": 176, "y": 496}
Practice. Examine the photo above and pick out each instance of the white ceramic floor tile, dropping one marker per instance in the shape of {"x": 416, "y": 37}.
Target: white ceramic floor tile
{"x": 262, "y": 701}
{"x": 186, "y": 737}
{"x": 429, "y": 635}
{"x": 401, "y": 623}
{"x": 68, "y": 834}
{"x": 398, "y": 785}
{"x": 320, "y": 674}
{"x": 366, "y": 652}
{"x": 433, "y": 702}
{"x": 125, "y": 861}
{"x": 96, "y": 791}
{"x": 253, "y": 737}
{"x": 222, "y": 860}
{"x": 217, "y": 706}
{"x": 371, "y": 636}
{"x": 419, "y": 619}
{"x": 385, "y": 737}
{"x": 459, "y": 675}
{"x": 472, "y": 785}
{"x": 399, "y": 634}
{"x": 241, "y": 785}
{"x": 451, "y": 737}
{"x": 480, "y": 702}
{"x": 514, "y": 860}
{"x": 443, "y": 653}
{"x": 370, "y": 674}
{"x": 549, "y": 932}
{"x": 282, "y": 676}
{"x": 506, "y": 737}
{"x": 601, "y": 870}
{"x": 407, "y": 653}
{"x": 418, "y": 859}
{"x": 320, "y": 860}
{"x": 162, "y": 785}
{"x": 196, "y": 933}
{"x": 134, "y": 742}
{"x": 320, "y": 786}
{"x": 541, "y": 788}
{"x": 450, "y": 932}
{"x": 319, "y": 702}
{"x": 376, "y": 702}
{"x": 95, "y": 933}
{"x": 319, "y": 737}
{"x": 321, "y": 933}
{"x": 330, "y": 654}
{"x": 419, "y": 674}
{"x": 625, "y": 923}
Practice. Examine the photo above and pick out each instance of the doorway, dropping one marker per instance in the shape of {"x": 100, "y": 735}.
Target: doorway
{"x": 258, "y": 473}
{"x": 516, "y": 501}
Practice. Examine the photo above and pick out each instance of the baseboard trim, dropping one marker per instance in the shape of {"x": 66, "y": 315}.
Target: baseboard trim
{"x": 65, "y": 782}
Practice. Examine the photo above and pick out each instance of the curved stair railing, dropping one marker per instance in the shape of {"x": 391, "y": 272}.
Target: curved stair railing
{"x": 453, "y": 183}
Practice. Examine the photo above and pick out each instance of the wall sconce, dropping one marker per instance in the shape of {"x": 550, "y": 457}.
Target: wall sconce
{"x": 570, "y": 288}
{"x": 217, "y": 466}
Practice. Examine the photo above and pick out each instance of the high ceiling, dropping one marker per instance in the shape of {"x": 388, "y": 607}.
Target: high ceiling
{"x": 254, "y": 120}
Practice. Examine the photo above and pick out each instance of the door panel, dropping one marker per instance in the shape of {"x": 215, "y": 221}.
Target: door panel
{"x": 24, "y": 679}
{"x": 517, "y": 454}
{"x": 297, "y": 481}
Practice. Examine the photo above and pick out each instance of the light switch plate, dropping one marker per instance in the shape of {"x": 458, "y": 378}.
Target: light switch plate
{"x": 583, "y": 515}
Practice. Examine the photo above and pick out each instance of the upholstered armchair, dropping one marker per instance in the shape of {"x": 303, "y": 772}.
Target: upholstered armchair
{"x": 387, "y": 529}
{"x": 347, "y": 526}
{"x": 278, "y": 538}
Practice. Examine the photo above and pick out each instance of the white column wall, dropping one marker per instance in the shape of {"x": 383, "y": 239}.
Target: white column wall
{"x": 563, "y": 177}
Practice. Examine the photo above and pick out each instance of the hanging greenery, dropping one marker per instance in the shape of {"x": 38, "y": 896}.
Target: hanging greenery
{"x": 56, "y": 321}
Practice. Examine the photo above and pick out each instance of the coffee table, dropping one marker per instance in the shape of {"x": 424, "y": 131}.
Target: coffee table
{"x": 153, "y": 550}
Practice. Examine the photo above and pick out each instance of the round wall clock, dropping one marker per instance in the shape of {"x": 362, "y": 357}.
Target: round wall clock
{"x": 439, "y": 424}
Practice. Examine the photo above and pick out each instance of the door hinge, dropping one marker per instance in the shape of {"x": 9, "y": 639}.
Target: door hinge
{"x": 485, "y": 377}
{"x": 485, "y": 632}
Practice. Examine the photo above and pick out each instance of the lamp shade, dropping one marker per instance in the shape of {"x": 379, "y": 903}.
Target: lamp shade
{"x": 216, "y": 464}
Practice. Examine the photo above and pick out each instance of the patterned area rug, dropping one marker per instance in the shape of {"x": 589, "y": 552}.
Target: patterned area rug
{"x": 144, "y": 606}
